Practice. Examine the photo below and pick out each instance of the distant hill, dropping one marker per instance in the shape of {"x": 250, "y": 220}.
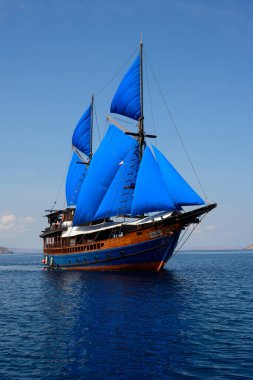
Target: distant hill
{"x": 212, "y": 248}
{"x": 4, "y": 250}
{"x": 249, "y": 246}
{"x": 26, "y": 250}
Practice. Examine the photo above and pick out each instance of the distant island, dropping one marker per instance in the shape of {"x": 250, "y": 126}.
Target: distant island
{"x": 249, "y": 246}
{"x": 4, "y": 250}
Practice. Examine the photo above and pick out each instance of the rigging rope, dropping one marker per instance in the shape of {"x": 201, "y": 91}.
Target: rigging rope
{"x": 95, "y": 111}
{"x": 193, "y": 229}
{"x": 150, "y": 100}
{"x": 176, "y": 129}
{"x": 116, "y": 74}
{"x": 62, "y": 180}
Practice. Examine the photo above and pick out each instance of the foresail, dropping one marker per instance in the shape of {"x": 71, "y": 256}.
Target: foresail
{"x": 82, "y": 134}
{"x": 102, "y": 170}
{"x": 179, "y": 190}
{"x": 150, "y": 192}
{"x": 76, "y": 174}
{"x": 126, "y": 100}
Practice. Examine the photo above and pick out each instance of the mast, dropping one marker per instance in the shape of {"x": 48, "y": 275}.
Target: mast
{"x": 91, "y": 127}
{"x": 140, "y": 123}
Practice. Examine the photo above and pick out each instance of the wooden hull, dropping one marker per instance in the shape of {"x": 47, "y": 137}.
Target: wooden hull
{"x": 150, "y": 255}
{"x": 146, "y": 247}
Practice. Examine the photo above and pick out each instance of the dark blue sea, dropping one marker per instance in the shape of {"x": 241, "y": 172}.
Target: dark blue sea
{"x": 192, "y": 321}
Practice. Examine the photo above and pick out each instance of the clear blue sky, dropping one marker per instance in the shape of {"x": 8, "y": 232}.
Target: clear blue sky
{"x": 55, "y": 53}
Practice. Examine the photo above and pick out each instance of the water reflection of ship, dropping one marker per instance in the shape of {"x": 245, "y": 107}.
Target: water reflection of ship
{"x": 103, "y": 319}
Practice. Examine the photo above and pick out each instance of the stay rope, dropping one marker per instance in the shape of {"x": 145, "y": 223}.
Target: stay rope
{"x": 62, "y": 180}
{"x": 150, "y": 101}
{"x": 95, "y": 112}
{"x": 117, "y": 73}
{"x": 187, "y": 237}
{"x": 175, "y": 127}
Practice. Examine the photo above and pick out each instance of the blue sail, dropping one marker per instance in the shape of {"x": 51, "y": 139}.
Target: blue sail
{"x": 150, "y": 193}
{"x": 82, "y": 134}
{"x": 119, "y": 197}
{"x": 179, "y": 190}
{"x": 76, "y": 174}
{"x": 126, "y": 100}
{"x": 103, "y": 168}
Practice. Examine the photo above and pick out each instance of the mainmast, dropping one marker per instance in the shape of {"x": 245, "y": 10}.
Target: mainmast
{"x": 141, "y": 118}
{"x": 91, "y": 127}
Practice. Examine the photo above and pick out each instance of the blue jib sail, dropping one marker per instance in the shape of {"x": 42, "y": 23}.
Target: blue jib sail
{"x": 150, "y": 192}
{"x": 126, "y": 100}
{"x": 159, "y": 187}
{"x": 82, "y": 134}
{"x": 119, "y": 197}
{"x": 102, "y": 170}
{"x": 76, "y": 174}
{"x": 179, "y": 190}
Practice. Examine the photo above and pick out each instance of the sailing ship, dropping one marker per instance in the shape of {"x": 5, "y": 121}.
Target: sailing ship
{"x": 124, "y": 203}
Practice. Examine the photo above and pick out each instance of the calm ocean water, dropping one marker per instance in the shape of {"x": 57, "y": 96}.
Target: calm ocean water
{"x": 191, "y": 321}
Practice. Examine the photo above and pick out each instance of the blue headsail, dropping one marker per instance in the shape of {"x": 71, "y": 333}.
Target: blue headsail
{"x": 76, "y": 174}
{"x": 159, "y": 187}
{"x": 102, "y": 170}
{"x": 126, "y": 100}
{"x": 119, "y": 197}
{"x": 82, "y": 134}
{"x": 179, "y": 190}
{"x": 150, "y": 192}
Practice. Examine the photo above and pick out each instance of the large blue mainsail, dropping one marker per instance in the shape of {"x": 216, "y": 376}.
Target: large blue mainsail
{"x": 126, "y": 100}
{"x": 102, "y": 170}
{"x": 119, "y": 197}
{"x": 179, "y": 190}
{"x": 150, "y": 191}
{"x": 76, "y": 174}
{"x": 82, "y": 134}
